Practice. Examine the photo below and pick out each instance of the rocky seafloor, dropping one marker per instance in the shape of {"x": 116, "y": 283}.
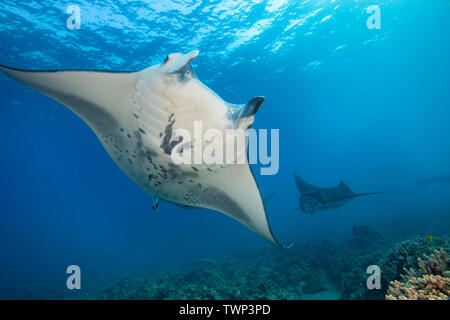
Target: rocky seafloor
{"x": 307, "y": 271}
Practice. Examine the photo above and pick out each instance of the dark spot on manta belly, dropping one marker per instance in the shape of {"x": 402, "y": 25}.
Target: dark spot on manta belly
{"x": 168, "y": 145}
{"x": 150, "y": 154}
{"x": 139, "y": 140}
{"x": 177, "y": 172}
{"x": 222, "y": 202}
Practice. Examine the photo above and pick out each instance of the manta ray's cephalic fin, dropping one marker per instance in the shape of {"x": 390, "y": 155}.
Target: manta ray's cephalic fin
{"x": 243, "y": 115}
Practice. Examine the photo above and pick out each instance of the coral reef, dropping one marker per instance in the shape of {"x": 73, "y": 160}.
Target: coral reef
{"x": 351, "y": 268}
{"x": 415, "y": 268}
{"x": 428, "y": 282}
{"x": 435, "y": 263}
{"x": 241, "y": 276}
{"x": 426, "y": 287}
{"x": 364, "y": 237}
{"x": 290, "y": 274}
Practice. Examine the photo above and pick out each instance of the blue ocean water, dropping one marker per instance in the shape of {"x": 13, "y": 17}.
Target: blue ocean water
{"x": 349, "y": 102}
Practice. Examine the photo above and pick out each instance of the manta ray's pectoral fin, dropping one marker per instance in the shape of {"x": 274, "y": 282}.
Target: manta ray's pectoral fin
{"x": 95, "y": 96}
{"x": 233, "y": 191}
{"x": 243, "y": 115}
{"x": 303, "y": 186}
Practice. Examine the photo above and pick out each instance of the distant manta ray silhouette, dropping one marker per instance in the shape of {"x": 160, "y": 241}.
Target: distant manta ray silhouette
{"x": 134, "y": 115}
{"x": 434, "y": 179}
{"x": 313, "y": 199}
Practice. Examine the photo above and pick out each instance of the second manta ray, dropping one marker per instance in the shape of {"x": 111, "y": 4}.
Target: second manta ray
{"x": 313, "y": 199}
{"x": 434, "y": 179}
{"x": 134, "y": 115}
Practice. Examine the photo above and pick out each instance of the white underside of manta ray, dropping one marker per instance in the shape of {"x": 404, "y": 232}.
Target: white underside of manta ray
{"x": 134, "y": 115}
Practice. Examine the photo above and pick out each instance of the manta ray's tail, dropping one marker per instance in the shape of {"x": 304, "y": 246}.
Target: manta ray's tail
{"x": 356, "y": 195}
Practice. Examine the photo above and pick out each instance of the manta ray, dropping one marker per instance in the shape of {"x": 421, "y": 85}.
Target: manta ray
{"x": 313, "y": 199}
{"x": 134, "y": 115}
{"x": 434, "y": 179}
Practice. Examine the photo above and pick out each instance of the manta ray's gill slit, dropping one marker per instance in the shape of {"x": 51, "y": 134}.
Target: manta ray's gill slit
{"x": 145, "y": 125}
{"x": 149, "y": 95}
{"x": 153, "y": 122}
{"x": 152, "y": 104}
{"x": 151, "y": 119}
